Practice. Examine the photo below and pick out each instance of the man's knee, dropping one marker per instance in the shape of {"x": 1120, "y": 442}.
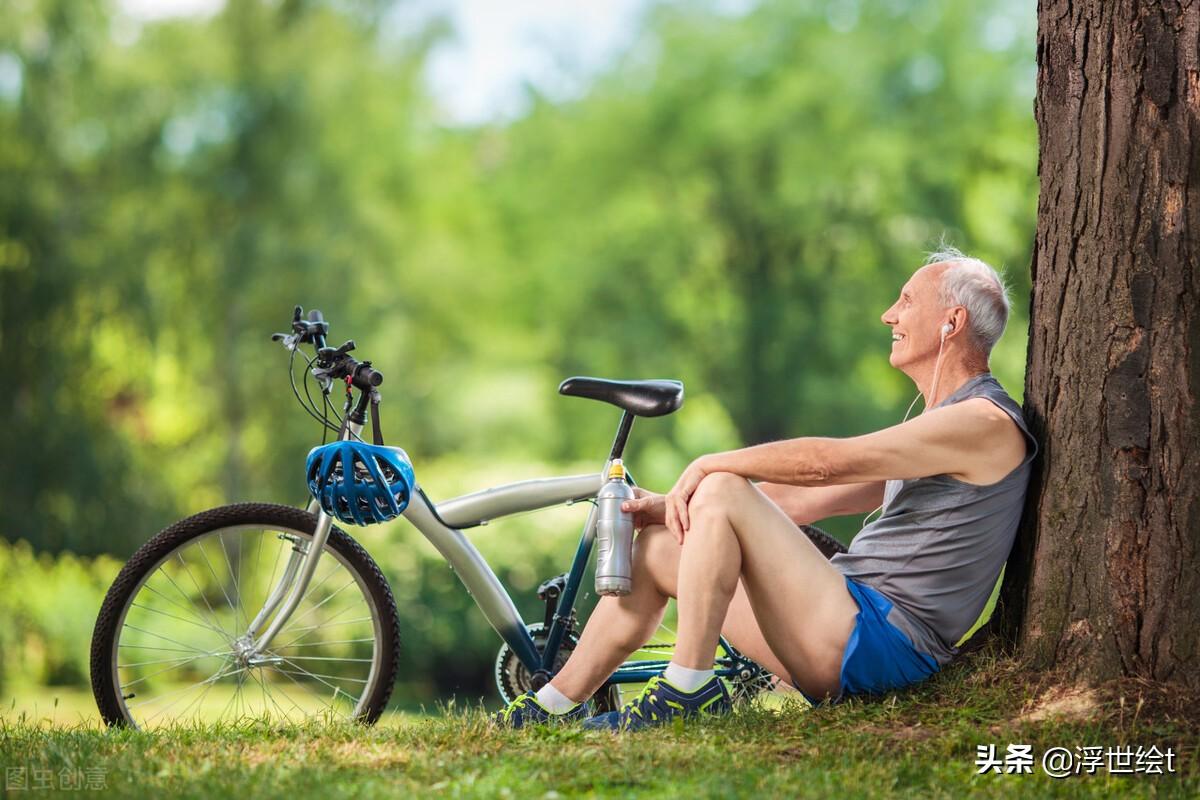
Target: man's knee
{"x": 717, "y": 492}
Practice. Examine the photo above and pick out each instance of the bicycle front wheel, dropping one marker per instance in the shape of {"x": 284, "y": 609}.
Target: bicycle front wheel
{"x": 170, "y": 642}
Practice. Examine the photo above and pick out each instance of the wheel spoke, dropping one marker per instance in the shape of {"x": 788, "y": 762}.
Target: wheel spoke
{"x": 198, "y": 702}
{"x": 302, "y": 671}
{"x": 176, "y": 671}
{"x": 331, "y": 624}
{"x": 238, "y": 611}
{"x": 241, "y": 698}
{"x": 268, "y": 697}
{"x": 166, "y": 638}
{"x": 319, "y": 676}
{"x": 263, "y": 686}
{"x": 199, "y": 591}
{"x": 275, "y": 567}
{"x": 188, "y": 609}
{"x": 326, "y": 600}
{"x": 165, "y": 669}
{"x": 163, "y": 649}
{"x": 323, "y": 644}
{"x": 258, "y": 556}
{"x": 220, "y": 583}
{"x": 166, "y": 661}
{"x": 210, "y": 679}
{"x": 326, "y": 624}
{"x": 330, "y": 706}
{"x": 228, "y": 705}
{"x": 172, "y": 616}
{"x": 288, "y": 697}
{"x": 313, "y": 587}
{"x": 212, "y": 621}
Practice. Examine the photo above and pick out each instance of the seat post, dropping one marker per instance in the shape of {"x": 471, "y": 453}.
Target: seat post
{"x": 622, "y": 435}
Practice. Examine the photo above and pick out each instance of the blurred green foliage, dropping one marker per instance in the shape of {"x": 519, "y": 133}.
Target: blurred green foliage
{"x": 47, "y": 608}
{"x": 733, "y": 203}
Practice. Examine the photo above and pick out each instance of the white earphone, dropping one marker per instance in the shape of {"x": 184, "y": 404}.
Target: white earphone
{"x": 949, "y": 326}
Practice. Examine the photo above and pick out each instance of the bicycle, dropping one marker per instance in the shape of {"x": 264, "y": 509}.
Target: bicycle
{"x": 174, "y": 638}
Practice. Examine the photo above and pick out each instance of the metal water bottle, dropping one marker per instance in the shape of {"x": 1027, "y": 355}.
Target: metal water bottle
{"x": 614, "y": 534}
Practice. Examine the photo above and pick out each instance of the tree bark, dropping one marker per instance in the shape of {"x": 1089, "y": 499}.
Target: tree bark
{"x": 1105, "y": 578}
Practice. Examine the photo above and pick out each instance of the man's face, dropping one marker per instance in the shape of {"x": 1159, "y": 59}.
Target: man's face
{"x": 916, "y": 318}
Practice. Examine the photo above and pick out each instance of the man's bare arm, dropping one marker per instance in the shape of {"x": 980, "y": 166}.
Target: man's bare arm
{"x": 971, "y": 440}
{"x": 808, "y": 504}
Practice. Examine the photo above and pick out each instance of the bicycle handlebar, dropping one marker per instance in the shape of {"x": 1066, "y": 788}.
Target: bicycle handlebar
{"x": 332, "y": 362}
{"x": 364, "y": 376}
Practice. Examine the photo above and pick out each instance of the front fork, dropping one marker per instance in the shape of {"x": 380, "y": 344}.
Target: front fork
{"x": 297, "y": 574}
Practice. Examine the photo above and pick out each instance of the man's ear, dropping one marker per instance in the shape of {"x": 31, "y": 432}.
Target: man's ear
{"x": 958, "y": 318}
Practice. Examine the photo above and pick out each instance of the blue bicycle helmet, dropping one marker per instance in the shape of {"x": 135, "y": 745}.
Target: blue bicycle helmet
{"x": 360, "y": 483}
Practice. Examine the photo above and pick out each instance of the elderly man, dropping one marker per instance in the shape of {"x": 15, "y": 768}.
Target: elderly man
{"x": 724, "y": 541}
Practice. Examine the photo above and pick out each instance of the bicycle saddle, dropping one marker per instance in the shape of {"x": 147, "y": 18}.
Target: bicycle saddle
{"x": 641, "y": 398}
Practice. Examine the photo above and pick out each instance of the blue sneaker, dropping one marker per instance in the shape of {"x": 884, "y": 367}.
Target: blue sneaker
{"x": 526, "y": 710}
{"x": 660, "y": 702}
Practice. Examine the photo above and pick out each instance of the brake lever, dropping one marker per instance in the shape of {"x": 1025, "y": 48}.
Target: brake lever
{"x": 330, "y": 357}
{"x": 290, "y": 340}
{"x": 325, "y": 380}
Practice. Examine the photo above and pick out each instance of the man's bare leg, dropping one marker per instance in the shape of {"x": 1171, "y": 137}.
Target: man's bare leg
{"x": 618, "y": 626}
{"x": 798, "y": 598}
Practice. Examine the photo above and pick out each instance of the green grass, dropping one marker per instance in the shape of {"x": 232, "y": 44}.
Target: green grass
{"x": 917, "y": 744}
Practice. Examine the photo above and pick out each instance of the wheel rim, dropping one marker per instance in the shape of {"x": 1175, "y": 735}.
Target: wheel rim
{"x": 180, "y": 652}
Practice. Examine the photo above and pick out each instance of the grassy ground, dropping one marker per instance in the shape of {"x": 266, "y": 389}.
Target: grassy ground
{"x": 920, "y": 744}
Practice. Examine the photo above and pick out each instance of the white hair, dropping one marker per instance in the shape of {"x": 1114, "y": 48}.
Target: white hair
{"x": 978, "y": 288}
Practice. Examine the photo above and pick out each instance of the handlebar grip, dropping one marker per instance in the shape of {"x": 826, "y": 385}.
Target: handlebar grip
{"x": 367, "y": 378}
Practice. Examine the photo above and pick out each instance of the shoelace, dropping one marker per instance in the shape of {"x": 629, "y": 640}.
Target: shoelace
{"x": 514, "y": 705}
{"x": 634, "y": 705}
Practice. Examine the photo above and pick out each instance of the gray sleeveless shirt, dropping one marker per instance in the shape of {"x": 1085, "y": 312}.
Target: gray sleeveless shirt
{"x": 940, "y": 544}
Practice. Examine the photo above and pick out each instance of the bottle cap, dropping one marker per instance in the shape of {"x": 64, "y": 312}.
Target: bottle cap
{"x": 617, "y": 470}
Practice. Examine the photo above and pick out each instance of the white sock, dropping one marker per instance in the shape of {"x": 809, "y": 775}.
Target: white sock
{"x": 553, "y": 700}
{"x": 685, "y": 679}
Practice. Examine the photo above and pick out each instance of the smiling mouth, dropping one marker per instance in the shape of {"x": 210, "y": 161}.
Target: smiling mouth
{"x": 896, "y": 337}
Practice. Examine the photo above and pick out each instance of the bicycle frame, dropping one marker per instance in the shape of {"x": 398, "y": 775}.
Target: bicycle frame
{"x": 441, "y": 524}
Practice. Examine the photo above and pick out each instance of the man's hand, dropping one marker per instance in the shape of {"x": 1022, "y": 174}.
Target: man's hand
{"x": 649, "y": 508}
{"x": 677, "y": 499}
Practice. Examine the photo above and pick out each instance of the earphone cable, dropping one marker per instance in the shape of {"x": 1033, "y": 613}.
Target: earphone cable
{"x": 867, "y": 518}
{"x": 937, "y": 366}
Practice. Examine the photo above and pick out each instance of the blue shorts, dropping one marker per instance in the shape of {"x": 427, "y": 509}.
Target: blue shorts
{"x": 879, "y": 656}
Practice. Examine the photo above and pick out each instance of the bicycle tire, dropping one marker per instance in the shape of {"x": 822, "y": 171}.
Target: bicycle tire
{"x": 269, "y": 517}
{"x": 828, "y": 545}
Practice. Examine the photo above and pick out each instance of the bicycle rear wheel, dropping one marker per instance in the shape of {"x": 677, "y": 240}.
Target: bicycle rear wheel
{"x": 169, "y": 643}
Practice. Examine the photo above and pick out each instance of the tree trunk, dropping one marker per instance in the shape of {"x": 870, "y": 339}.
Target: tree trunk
{"x": 1105, "y": 578}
